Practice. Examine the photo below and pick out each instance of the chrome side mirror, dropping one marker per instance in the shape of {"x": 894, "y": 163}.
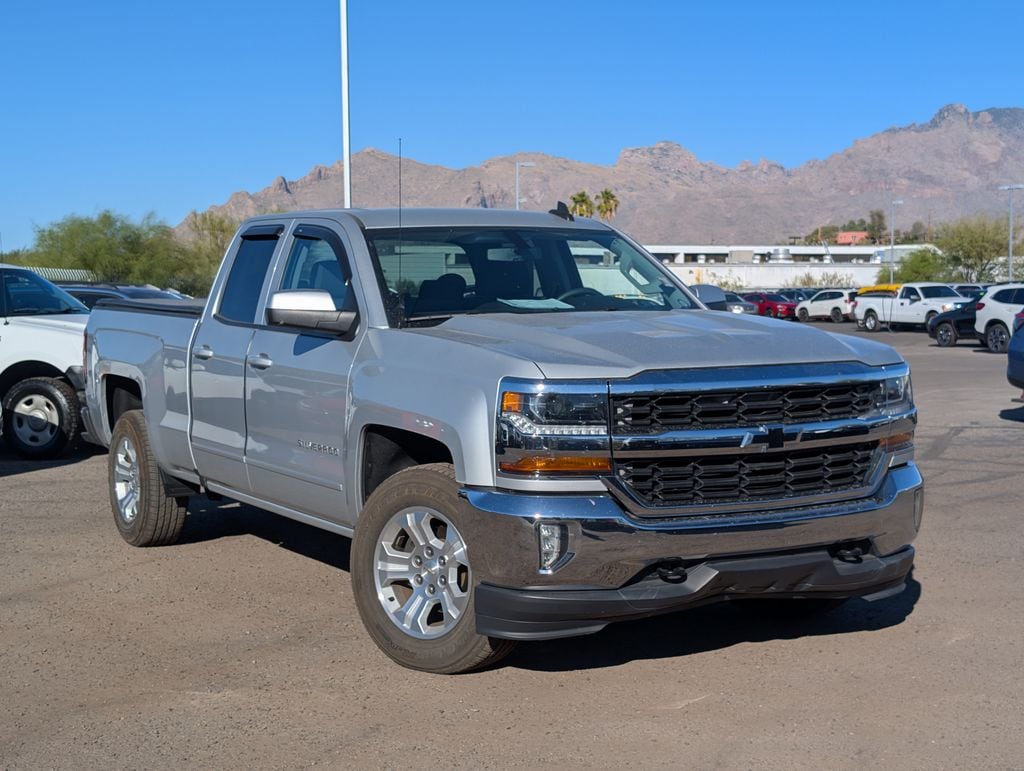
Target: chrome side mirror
{"x": 312, "y": 309}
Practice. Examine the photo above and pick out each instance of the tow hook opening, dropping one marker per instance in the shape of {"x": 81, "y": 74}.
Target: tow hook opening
{"x": 854, "y": 552}
{"x": 671, "y": 571}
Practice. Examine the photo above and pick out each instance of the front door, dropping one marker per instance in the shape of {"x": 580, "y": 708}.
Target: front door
{"x": 218, "y": 362}
{"x": 297, "y": 387}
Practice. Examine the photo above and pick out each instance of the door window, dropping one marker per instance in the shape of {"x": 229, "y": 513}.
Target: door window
{"x": 909, "y": 293}
{"x": 313, "y": 264}
{"x": 241, "y": 293}
{"x": 1003, "y": 296}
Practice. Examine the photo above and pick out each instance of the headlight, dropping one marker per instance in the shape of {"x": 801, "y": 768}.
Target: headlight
{"x": 547, "y": 431}
{"x": 896, "y": 395}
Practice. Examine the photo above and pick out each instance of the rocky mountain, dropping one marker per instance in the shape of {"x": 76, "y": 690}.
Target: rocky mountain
{"x": 942, "y": 169}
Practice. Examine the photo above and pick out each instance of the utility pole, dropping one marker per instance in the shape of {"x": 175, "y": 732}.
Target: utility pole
{"x": 892, "y": 236}
{"x": 521, "y": 164}
{"x": 346, "y": 148}
{"x": 1009, "y": 253}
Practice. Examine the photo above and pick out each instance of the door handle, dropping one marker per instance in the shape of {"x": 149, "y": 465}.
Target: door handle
{"x": 262, "y": 361}
{"x": 205, "y": 352}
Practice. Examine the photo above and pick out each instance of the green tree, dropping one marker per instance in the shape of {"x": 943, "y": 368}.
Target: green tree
{"x": 876, "y": 226}
{"x": 855, "y": 225}
{"x": 919, "y": 265}
{"x": 823, "y": 233}
{"x": 207, "y": 237}
{"x": 582, "y": 205}
{"x": 974, "y": 246}
{"x": 607, "y": 204}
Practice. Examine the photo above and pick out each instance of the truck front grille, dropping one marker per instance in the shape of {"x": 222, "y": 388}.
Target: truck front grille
{"x": 639, "y": 414}
{"x": 711, "y": 479}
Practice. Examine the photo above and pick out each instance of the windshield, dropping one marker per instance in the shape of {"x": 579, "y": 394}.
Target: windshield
{"x": 938, "y": 291}
{"x": 732, "y": 297}
{"x": 27, "y": 294}
{"x": 431, "y": 274}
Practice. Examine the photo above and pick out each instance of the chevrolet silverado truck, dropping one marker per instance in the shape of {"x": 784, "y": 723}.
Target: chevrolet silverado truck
{"x": 904, "y": 304}
{"x": 41, "y": 330}
{"x": 527, "y": 425}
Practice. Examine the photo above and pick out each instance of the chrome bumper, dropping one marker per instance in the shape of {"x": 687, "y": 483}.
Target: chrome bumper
{"x": 610, "y": 548}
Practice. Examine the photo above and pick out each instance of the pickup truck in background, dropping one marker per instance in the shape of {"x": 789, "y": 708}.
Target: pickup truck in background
{"x": 904, "y": 304}
{"x": 41, "y": 328}
{"x": 528, "y": 426}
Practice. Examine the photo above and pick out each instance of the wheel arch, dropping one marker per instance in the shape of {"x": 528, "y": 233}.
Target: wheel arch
{"x": 23, "y": 370}
{"x": 384, "y": 450}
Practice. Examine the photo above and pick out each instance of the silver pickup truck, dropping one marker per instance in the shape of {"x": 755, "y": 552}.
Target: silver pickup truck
{"x": 529, "y": 427}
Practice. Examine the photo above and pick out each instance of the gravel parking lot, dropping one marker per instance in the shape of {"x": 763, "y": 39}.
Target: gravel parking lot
{"x": 241, "y": 647}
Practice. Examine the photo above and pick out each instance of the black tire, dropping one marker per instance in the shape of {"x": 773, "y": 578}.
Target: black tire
{"x": 803, "y": 315}
{"x": 460, "y": 649}
{"x": 945, "y": 335}
{"x": 997, "y": 337}
{"x": 158, "y": 517}
{"x": 871, "y": 321}
{"x": 836, "y": 315}
{"x": 928, "y": 318}
{"x": 30, "y": 407}
{"x": 769, "y": 312}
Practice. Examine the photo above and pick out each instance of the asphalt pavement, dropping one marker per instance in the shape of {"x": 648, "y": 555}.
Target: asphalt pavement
{"x": 241, "y": 646}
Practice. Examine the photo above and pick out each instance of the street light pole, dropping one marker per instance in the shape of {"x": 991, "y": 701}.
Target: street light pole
{"x": 1009, "y": 254}
{"x": 892, "y": 235}
{"x": 526, "y": 165}
{"x": 346, "y": 148}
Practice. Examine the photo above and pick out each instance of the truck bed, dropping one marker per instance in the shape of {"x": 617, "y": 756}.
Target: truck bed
{"x": 189, "y": 308}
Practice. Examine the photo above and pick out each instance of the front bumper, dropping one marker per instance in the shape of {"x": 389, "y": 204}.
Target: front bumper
{"x": 612, "y": 573}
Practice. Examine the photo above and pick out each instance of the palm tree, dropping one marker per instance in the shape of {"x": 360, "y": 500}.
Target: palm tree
{"x": 607, "y": 204}
{"x": 582, "y": 205}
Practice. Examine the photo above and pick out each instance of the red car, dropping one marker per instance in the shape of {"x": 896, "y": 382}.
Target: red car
{"x": 770, "y": 304}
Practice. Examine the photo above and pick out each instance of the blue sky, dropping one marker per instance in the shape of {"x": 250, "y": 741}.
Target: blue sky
{"x": 166, "y": 107}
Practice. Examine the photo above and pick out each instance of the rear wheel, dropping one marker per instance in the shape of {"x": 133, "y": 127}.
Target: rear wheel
{"x": 412, "y": 577}
{"x": 143, "y": 511}
{"x": 836, "y": 315}
{"x": 945, "y": 335}
{"x": 803, "y": 315}
{"x": 41, "y": 418}
{"x": 997, "y": 337}
{"x": 871, "y": 321}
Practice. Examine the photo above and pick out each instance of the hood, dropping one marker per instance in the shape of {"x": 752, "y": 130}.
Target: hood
{"x": 73, "y": 322}
{"x": 624, "y": 343}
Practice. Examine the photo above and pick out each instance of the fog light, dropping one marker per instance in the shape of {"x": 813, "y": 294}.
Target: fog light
{"x": 552, "y": 540}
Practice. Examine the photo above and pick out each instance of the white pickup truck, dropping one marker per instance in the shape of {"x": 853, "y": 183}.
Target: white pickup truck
{"x": 41, "y": 332}
{"x": 913, "y": 304}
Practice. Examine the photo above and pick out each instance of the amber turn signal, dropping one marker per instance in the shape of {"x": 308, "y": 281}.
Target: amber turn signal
{"x": 511, "y": 402}
{"x": 557, "y": 464}
{"x": 897, "y": 440}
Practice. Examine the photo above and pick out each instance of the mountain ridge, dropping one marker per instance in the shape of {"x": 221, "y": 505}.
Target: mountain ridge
{"x": 947, "y": 167}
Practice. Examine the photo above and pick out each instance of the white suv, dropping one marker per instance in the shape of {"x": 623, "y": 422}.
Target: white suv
{"x": 995, "y": 312}
{"x": 835, "y": 304}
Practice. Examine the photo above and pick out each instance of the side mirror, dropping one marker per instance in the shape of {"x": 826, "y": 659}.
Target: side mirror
{"x": 711, "y": 296}
{"x": 309, "y": 309}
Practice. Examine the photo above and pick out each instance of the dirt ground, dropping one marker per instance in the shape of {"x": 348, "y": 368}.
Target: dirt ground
{"x": 241, "y": 647}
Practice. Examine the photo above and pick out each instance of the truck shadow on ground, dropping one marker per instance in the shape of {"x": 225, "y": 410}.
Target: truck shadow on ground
{"x": 703, "y": 629}
{"x": 11, "y": 464}
{"x": 1015, "y": 414}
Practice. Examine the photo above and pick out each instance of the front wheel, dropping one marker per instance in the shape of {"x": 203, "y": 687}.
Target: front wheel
{"x": 803, "y": 315}
{"x": 945, "y": 335}
{"x": 412, "y": 577}
{"x": 871, "y": 321}
{"x": 997, "y": 338}
{"x": 41, "y": 418}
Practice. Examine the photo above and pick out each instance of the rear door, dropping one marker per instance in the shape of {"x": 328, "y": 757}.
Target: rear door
{"x": 218, "y": 359}
{"x": 297, "y": 387}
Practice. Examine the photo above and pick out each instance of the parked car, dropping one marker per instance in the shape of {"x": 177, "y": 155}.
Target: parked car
{"x": 913, "y": 304}
{"x": 949, "y": 327}
{"x": 737, "y": 304}
{"x": 41, "y": 332}
{"x": 1015, "y": 353}
{"x": 577, "y": 467}
{"x": 796, "y": 295}
{"x": 90, "y": 294}
{"x": 971, "y": 290}
{"x": 771, "y": 304}
{"x": 835, "y": 304}
{"x": 995, "y": 312}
